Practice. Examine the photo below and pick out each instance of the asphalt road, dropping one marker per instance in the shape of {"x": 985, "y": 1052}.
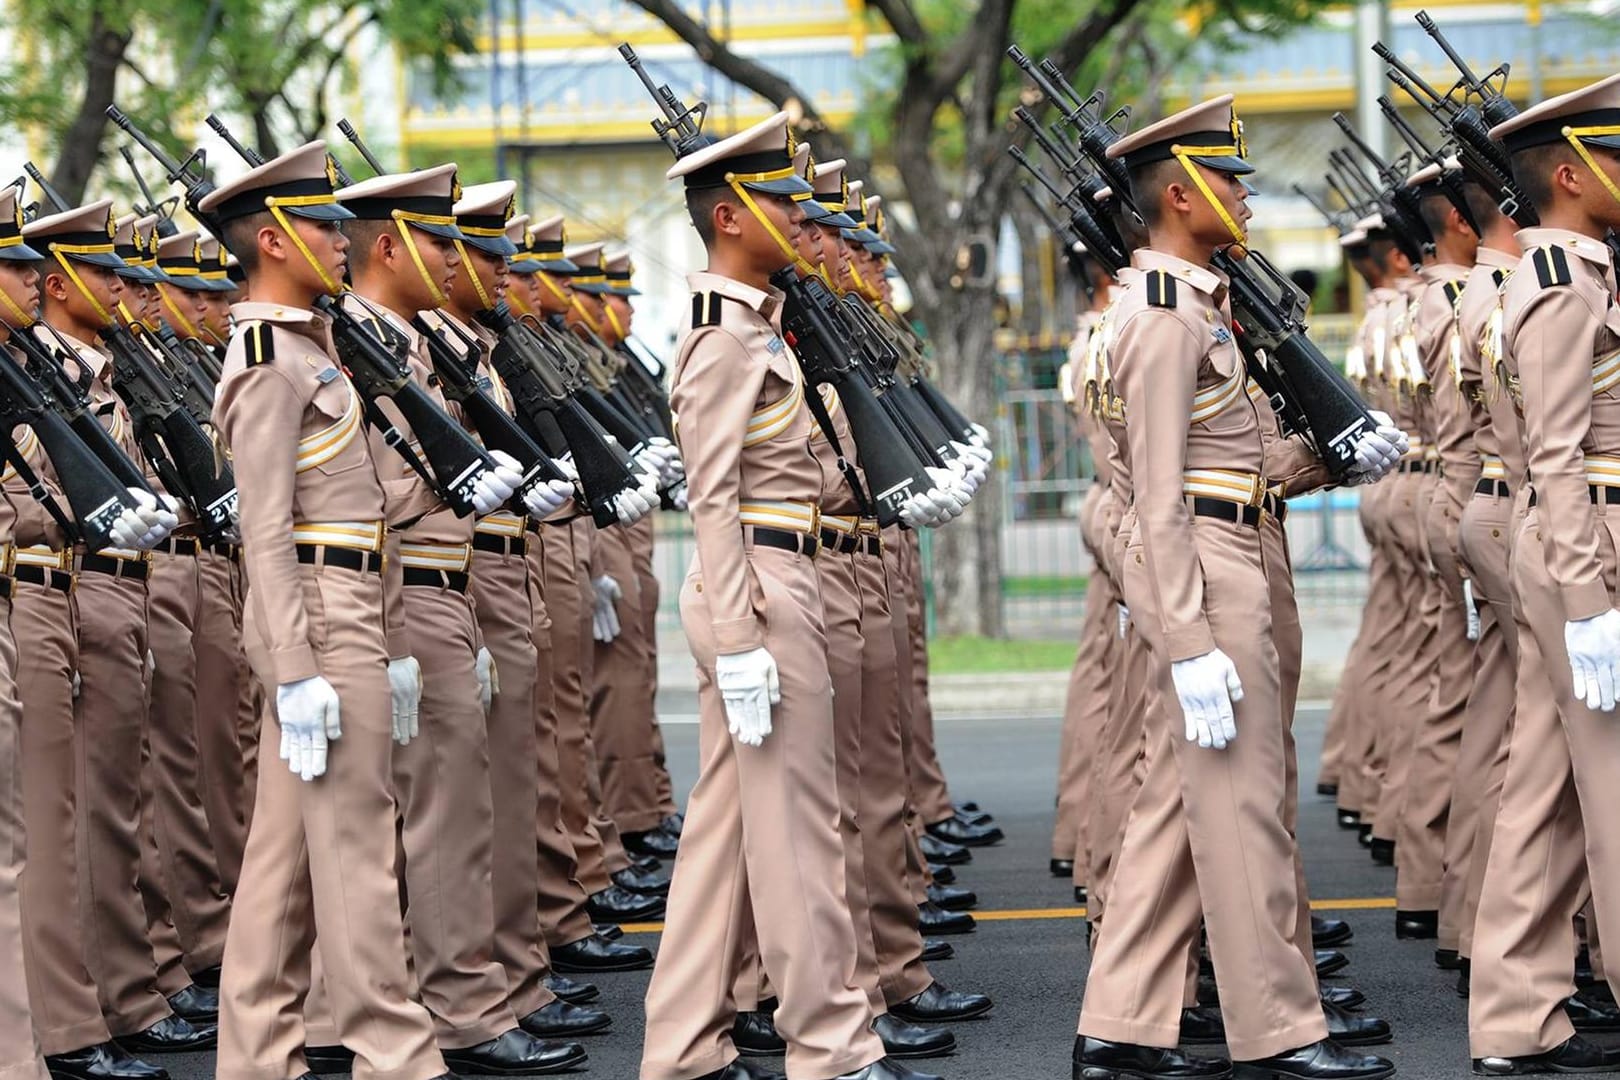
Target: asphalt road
{"x": 1029, "y": 951}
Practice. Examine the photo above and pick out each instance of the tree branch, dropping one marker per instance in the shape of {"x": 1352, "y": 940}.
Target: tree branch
{"x": 902, "y": 19}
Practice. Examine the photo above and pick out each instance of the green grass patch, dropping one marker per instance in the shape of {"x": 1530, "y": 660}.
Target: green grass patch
{"x": 1035, "y": 585}
{"x": 978, "y": 655}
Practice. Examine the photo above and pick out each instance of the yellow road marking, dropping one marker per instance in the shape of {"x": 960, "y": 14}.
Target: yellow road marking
{"x": 1348, "y": 903}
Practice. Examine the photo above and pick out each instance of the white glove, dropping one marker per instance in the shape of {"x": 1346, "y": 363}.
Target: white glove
{"x": 565, "y": 464}
{"x": 674, "y": 468}
{"x": 1388, "y": 428}
{"x": 1207, "y": 686}
{"x": 489, "y": 680}
{"x": 948, "y": 491}
{"x": 657, "y": 457}
{"x": 749, "y": 686}
{"x": 129, "y": 530}
{"x": 1124, "y": 619}
{"x": 633, "y": 504}
{"x": 1594, "y": 655}
{"x": 405, "y": 686}
{"x": 677, "y": 496}
{"x": 1377, "y": 451}
{"x": 923, "y": 510}
{"x": 310, "y": 717}
{"x": 156, "y": 520}
{"x": 981, "y": 435}
{"x": 1472, "y": 609}
{"x": 151, "y": 665}
{"x": 494, "y": 486}
{"x": 78, "y": 685}
{"x": 543, "y": 499}
{"x": 605, "y": 622}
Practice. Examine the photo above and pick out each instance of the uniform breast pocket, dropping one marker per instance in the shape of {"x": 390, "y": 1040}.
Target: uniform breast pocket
{"x": 783, "y": 374}
{"x": 334, "y": 430}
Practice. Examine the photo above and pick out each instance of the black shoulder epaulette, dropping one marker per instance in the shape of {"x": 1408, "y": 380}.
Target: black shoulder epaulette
{"x": 1552, "y": 266}
{"x": 261, "y": 344}
{"x": 706, "y": 309}
{"x": 1453, "y": 290}
{"x": 1161, "y": 289}
{"x": 1499, "y": 275}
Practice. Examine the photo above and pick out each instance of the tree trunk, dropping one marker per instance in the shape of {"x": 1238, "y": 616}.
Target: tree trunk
{"x": 967, "y": 552}
{"x": 81, "y": 146}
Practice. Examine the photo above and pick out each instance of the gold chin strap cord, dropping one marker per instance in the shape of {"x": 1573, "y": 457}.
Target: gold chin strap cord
{"x": 472, "y": 275}
{"x": 73, "y": 275}
{"x": 861, "y": 285}
{"x": 274, "y": 205}
{"x": 584, "y": 315}
{"x": 186, "y": 325}
{"x": 737, "y": 181}
{"x": 1185, "y": 154}
{"x": 613, "y": 321}
{"x": 517, "y": 303}
{"x": 1575, "y": 134}
{"x": 401, "y": 222}
{"x": 24, "y": 320}
{"x": 553, "y": 288}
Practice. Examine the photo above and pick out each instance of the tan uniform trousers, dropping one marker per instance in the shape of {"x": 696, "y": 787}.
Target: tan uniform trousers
{"x": 1117, "y": 770}
{"x": 1085, "y": 713}
{"x": 929, "y": 790}
{"x": 622, "y": 724}
{"x": 19, "y": 1047}
{"x": 1339, "y": 762}
{"x": 562, "y": 896}
{"x": 1420, "y": 839}
{"x": 762, "y": 834}
{"x": 1561, "y": 773}
{"x": 221, "y": 672}
{"x": 566, "y": 586}
{"x": 1208, "y": 831}
{"x": 320, "y": 860}
{"x": 1412, "y": 663}
{"x": 442, "y": 782}
{"x": 110, "y": 720}
{"x": 643, "y": 538}
{"x": 182, "y": 857}
{"x": 1484, "y": 545}
{"x": 1361, "y": 696}
{"x": 500, "y": 585}
{"x": 67, "y": 1012}
{"x": 897, "y": 573}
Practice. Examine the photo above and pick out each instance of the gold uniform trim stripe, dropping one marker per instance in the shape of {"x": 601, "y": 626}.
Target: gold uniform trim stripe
{"x": 328, "y": 443}
{"x": 1606, "y": 372}
{"x": 794, "y": 516}
{"x": 1227, "y": 484}
{"x": 500, "y": 523}
{"x": 1212, "y": 401}
{"x": 40, "y": 555}
{"x": 1603, "y": 470}
{"x": 126, "y": 554}
{"x": 1492, "y": 468}
{"x": 355, "y": 535}
{"x": 775, "y": 418}
{"x": 456, "y": 558}
{"x": 846, "y": 525}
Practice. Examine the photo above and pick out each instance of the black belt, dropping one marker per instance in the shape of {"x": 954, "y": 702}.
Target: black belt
{"x": 125, "y": 568}
{"x": 1415, "y": 466}
{"x": 44, "y": 575}
{"x": 842, "y": 543}
{"x": 454, "y": 580}
{"x": 874, "y": 545}
{"x": 500, "y": 545}
{"x": 181, "y": 545}
{"x": 1276, "y": 506}
{"x": 1237, "y": 513}
{"x": 225, "y": 551}
{"x": 765, "y": 536}
{"x": 1597, "y": 493}
{"x": 5, "y": 587}
{"x": 1492, "y": 487}
{"x": 345, "y": 558}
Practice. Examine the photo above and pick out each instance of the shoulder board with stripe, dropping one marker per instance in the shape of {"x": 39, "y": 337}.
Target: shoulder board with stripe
{"x": 1161, "y": 289}
{"x": 706, "y": 309}
{"x": 260, "y": 342}
{"x": 1499, "y": 275}
{"x": 1552, "y": 266}
{"x": 1453, "y": 290}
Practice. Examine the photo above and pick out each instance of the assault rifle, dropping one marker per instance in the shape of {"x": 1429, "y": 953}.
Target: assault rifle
{"x": 1268, "y": 309}
{"x": 1397, "y": 202}
{"x": 1450, "y": 183}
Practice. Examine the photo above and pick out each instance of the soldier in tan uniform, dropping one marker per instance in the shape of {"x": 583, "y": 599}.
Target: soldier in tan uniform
{"x": 1426, "y": 799}
{"x": 1194, "y": 580}
{"x": 761, "y": 832}
{"x": 82, "y": 293}
{"x": 1484, "y": 544}
{"x": 404, "y": 256}
{"x": 320, "y": 857}
{"x": 19, "y": 300}
{"x": 1561, "y": 339}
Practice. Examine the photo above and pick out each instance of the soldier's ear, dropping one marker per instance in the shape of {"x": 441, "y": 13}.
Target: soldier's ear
{"x": 272, "y": 243}
{"x": 727, "y": 217}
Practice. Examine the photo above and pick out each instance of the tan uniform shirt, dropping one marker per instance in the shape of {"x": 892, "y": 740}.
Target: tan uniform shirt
{"x": 736, "y": 375}
{"x": 1439, "y": 346}
{"x": 294, "y": 424}
{"x": 1480, "y": 386}
{"x": 1173, "y": 362}
{"x": 1562, "y": 327}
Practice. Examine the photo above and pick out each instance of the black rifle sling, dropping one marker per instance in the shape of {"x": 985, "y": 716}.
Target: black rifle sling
{"x": 818, "y": 409}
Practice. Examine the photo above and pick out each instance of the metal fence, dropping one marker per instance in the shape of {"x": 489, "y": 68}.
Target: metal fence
{"x": 1046, "y": 470}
